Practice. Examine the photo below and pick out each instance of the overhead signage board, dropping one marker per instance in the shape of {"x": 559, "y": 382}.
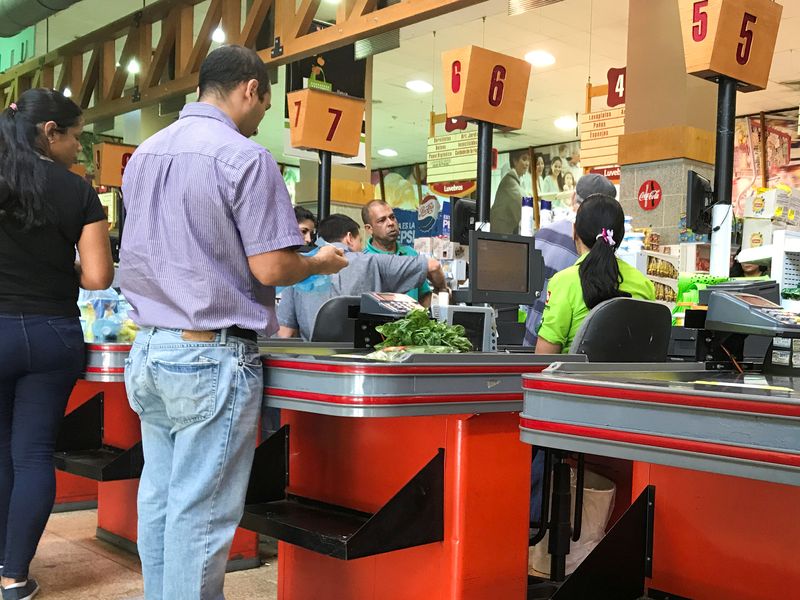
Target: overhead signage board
{"x": 325, "y": 121}
{"x": 453, "y": 157}
{"x": 600, "y": 132}
{"x": 733, "y": 38}
{"x": 482, "y": 85}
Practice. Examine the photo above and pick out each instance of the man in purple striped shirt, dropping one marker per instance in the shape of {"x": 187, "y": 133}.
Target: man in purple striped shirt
{"x": 209, "y": 231}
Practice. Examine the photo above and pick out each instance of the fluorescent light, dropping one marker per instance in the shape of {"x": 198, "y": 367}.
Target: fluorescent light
{"x": 387, "y": 152}
{"x": 218, "y": 36}
{"x": 419, "y": 86}
{"x": 566, "y": 122}
{"x": 67, "y": 92}
{"x": 133, "y": 67}
{"x": 333, "y": 1}
{"x": 540, "y": 58}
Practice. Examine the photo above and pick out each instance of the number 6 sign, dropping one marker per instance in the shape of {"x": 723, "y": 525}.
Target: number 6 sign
{"x": 481, "y": 85}
{"x": 734, "y": 38}
{"x": 321, "y": 120}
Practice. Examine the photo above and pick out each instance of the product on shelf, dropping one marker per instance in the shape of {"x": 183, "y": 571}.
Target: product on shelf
{"x": 664, "y": 292}
{"x": 661, "y": 268}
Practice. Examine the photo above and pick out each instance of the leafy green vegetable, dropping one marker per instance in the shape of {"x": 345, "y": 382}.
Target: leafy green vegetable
{"x": 417, "y": 329}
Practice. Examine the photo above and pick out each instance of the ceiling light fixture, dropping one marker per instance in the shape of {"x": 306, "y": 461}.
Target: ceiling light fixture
{"x": 419, "y": 86}
{"x": 566, "y": 122}
{"x": 540, "y": 58}
{"x": 218, "y": 36}
{"x": 333, "y": 1}
{"x": 67, "y": 92}
{"x": 133, "y": 67}
{"x": 387, "y": 152}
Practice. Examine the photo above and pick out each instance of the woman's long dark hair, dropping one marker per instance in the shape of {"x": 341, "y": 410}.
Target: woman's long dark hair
{"x": 600, "y": 225}
{"x": 22, "y": 143}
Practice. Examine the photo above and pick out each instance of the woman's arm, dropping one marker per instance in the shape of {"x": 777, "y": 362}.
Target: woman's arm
{"x": 96, "y": 269}
{"x": 545, "y": 347}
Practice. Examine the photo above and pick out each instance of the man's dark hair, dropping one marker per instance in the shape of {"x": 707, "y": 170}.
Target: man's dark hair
{"x": 303, "y": 214}
{"x": 515, "y": 155}
{"x": 365, "y": 210}
{"x": 226, "y": 67}
{"x": 335, "y": 227}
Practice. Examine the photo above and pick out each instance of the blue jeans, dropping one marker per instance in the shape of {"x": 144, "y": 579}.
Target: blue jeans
{"x": 199, "y": 404}
{"x": 41, "y": 357}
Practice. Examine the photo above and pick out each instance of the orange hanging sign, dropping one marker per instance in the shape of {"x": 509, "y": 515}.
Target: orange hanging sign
{"x": 482, "y": 85}
{"x": 320, "y": 120}
{"x": 734, "y": 38}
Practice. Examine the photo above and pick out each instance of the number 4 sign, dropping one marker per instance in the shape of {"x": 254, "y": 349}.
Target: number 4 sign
{"x": 482, "y": 85}
{"x": 321, "y": 120}
{"x": 734, "y": 38}
{"x": 616, "y": 87}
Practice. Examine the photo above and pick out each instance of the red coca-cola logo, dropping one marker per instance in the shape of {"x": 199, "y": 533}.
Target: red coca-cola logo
{"x": 650, "y": 195}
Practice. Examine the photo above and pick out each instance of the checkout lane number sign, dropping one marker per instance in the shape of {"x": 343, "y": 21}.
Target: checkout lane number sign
{"x": 650, "y": 195}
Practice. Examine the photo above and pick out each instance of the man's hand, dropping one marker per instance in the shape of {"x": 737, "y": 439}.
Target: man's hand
{"x": 329, "y": 260}
{"x": 436, "y": 275}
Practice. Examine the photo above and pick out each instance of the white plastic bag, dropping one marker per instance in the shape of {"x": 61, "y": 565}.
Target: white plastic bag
{"x": 598, "y": 503}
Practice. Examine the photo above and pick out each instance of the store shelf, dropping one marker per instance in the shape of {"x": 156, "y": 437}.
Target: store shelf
{"x": 673, "y": 259}
{"x": 673, "y": 283}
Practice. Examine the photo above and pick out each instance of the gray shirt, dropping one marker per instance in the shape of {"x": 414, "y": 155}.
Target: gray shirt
{"x": 365, "y": 273}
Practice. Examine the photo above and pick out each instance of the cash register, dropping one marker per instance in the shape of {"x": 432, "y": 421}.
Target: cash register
{"x": 736, "y": 315}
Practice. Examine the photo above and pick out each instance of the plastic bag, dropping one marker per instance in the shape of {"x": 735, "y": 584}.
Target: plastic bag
{"x": 403, "y": 353}
{"x": 598, "y": 502}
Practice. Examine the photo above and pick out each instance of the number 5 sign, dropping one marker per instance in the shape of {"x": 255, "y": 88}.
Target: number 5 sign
{"x": 481, "y": 85}
{"x": 734, "y": 38}
{"x": 321, "y": 120}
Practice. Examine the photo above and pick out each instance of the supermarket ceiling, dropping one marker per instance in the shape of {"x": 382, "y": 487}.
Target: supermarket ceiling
{"x": 586, "y": 38}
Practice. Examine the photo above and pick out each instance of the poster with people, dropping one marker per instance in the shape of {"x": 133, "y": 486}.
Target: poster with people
{"x": 556, "y": 170}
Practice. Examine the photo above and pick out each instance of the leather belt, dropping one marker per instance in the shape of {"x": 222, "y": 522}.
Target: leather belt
{"x": 210, "y": 336}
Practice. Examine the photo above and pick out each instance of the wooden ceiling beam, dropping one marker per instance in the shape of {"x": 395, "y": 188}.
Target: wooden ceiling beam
{"x": 254, "y": 22}
{"x": 362, "y": 26}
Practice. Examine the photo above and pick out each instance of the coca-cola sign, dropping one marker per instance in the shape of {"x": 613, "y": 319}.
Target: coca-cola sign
{"x": 650, "y": 195}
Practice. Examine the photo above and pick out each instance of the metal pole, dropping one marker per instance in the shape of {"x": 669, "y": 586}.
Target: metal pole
{"x": 324, "y": 185}
{"x": 484, "y": 170}
{"x": 723, "y": 179}
{"x": 726, "y": 124}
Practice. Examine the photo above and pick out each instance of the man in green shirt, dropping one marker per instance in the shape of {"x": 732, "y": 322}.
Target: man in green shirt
{"x": 380, "y": 224}
{"x": 506, "y": 211}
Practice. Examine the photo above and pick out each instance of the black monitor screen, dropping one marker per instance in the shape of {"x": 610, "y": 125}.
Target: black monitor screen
{"x": 472, "y": 322}
{"x": 503, "y": 266}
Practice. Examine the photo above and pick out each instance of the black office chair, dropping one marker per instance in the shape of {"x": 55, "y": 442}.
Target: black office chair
{"x": 624, "y": 330}
{"x": 617, "y": 330}
{"x": 333, "y": 322}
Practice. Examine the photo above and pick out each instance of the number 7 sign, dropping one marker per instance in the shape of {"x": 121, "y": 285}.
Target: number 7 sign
{"x": 734, "y": 38}
{"x": 321, "y": 120}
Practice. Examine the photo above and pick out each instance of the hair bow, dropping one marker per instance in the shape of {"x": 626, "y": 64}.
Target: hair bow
{"x": 607, "y": 235}
{"x": 13, "y": 106}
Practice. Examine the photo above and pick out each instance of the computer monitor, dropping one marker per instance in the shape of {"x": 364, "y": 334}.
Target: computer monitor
{"x": 699, "y": 198}
{"x": 504, "y": 269}
{"x": 462, "y": 220}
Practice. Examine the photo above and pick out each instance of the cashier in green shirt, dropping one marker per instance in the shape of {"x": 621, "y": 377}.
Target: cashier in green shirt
{"x": 380, "y": 224}
{"x": 597, "y": 275}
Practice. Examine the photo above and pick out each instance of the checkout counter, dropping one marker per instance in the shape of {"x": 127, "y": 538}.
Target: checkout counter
{"x": 99, "y": 449}
{"x": 716, "y": 459}
{"x": 415, "y": 469}
{"x": 402, "y": 480}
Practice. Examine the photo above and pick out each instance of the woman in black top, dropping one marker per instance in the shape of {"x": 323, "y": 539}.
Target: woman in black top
{"x": 45, "y": 212}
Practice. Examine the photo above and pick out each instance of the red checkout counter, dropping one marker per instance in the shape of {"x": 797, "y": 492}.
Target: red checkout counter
{"x": 715, "y": 452}
{"x": 100, "y": 443}
{"x": 396, "y": 481}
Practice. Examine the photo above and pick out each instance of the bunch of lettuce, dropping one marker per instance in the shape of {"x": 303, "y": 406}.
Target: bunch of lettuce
{"x": 417, "y": 329}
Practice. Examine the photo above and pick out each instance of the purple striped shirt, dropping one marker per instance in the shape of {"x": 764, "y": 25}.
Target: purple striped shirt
{"x": 201, "y": 198}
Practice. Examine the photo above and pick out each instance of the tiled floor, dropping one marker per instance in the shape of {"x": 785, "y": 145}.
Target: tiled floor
{"x": 71, "y": 564}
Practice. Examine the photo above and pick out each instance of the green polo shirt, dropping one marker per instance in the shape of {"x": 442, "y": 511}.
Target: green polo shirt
{"x": 565, "y": 309}
{"x": 416, "y": 293}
